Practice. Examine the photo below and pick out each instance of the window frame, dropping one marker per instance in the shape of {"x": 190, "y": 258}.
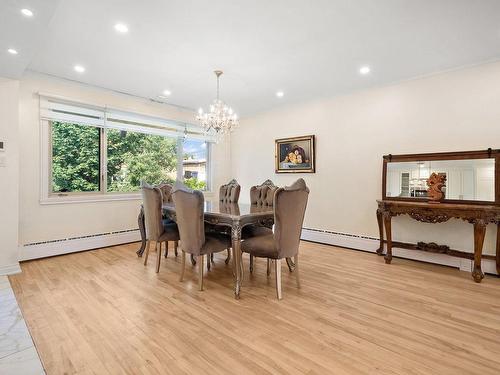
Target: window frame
{"x": 47, "y": 196}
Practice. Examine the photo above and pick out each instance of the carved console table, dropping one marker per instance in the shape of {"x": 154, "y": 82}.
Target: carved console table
{"x": 478, "y": 215}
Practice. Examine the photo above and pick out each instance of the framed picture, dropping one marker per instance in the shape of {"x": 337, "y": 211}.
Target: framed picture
{"x": 295, "y": 155}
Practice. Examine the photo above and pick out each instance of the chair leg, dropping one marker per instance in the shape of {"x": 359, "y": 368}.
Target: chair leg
{"x": 208, "y": 261}
{"x": 277, "y": 264}
{"x": 148, "y": 245}
{"x": 158, "y": 256}
{"x": 193, "y": 260}
{"x": 296, "y": 270}
{"x": 228, "y": 256}
{"x": 200, "y": 269}
{"x": 234, "y": 266}
{"x": 212, "y": 258}
{"x": 166, "y": 249}
{"x": 183, "y": 265}
{"x": 176, "y": 245}
{"x": 251, "y": 263}
{"x": 268, "y": 267}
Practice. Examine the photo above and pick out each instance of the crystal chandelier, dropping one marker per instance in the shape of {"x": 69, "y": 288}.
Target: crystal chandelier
{"x": 221, "y": 118}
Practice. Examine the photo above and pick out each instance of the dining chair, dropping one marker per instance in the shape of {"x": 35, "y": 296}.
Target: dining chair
{"x": 166, "y": 195}
{"x": 157, "y": 229}
{"x": 289, "y": 209}
{"x": 194, "y": 239}
{"x": 228, "y": 194}
{"x": 260, "y": 195}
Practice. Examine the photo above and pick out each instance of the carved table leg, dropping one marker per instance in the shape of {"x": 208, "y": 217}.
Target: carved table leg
{"x": 498, "y": 249}
{"x": 236, "y": 239}
{"x": 479, "y": 231}
{"x": 388, "y": 233}
{"x": 142, "y": 229}
{"x": 380, "y": 250}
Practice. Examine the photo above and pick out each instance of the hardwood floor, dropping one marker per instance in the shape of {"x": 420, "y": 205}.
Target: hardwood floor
{"x": 103, "y": 312}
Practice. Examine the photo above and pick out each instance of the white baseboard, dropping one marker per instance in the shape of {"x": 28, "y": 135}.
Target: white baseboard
{"x": 10, "y": 269}
{"x": 59, "y": 247}
{"x": 370, "y": 244}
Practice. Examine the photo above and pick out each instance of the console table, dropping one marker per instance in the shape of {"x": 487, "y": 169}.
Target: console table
{"x": 478, "y": 215}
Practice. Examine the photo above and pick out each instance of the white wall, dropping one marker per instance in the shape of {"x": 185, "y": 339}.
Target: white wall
{"x": 9, "y": 176}
{"x": 50, "y": 222}
{"x": 454, "y": 111}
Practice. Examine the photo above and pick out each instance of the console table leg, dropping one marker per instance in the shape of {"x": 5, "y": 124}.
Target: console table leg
{"x": 498, "y": 249}
{"x": 388, "y": 233}
{"x": 142, "y": 229}
{"x": 479, "y": 232}
{"x": 380, "y": 250}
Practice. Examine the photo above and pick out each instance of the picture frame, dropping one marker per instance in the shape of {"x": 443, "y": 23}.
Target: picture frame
{"x": 295, "y": 155}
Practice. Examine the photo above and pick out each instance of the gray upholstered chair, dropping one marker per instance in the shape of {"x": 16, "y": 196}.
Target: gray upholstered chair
{"x": 166, "y": 195}
{"x": 260, "y": 195}
{"x": 157, "y": 229}
{"x": 194, "y": 240}
{"x": 289, "y": 209}
{"x": 230, "y": 192}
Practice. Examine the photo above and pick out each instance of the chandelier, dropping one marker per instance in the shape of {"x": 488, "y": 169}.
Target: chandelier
{"x": 220, "y": 118}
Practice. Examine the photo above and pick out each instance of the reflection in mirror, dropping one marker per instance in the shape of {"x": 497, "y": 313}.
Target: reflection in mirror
{"x": 471, "y": 179}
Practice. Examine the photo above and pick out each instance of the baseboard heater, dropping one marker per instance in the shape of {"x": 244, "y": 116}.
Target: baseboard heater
{"x": 49, "y": 248}
{"x": 61, "y": 246}
{"x": 371, "y": 244}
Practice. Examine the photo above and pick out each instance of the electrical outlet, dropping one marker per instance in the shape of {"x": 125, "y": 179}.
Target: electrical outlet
{"x": 2, "y": 146}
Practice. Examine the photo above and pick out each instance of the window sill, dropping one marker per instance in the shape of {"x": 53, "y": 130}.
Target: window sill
{"x": 91, "y": 198}
{"x": 96, "y": 198}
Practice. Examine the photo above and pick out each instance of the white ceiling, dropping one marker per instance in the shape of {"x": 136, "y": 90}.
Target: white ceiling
{"x": 307, "y": 48}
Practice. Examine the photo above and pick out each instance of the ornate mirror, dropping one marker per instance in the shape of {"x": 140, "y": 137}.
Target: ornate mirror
{"x": 471, "y": 177}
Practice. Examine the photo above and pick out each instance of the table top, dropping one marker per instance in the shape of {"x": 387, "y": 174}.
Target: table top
{"x": 216, "y": 208}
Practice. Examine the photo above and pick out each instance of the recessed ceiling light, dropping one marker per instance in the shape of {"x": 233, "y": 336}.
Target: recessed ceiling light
{"x": 27, "y": 12}
{"x": 364, "y": 70}
{"x": 167, "y": 92}
{"x": 12, "y": 51}
{"x": 121, "y": 27}
{"x": 79, "y": 68}
{"x": 280, "y": 94}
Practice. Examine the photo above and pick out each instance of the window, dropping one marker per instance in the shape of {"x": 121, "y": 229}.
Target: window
{"x": 95, "y": 151}
{"x": 132, "y": 157}
{"x": 194, "y": 164}
{"x": 76, "y": 158}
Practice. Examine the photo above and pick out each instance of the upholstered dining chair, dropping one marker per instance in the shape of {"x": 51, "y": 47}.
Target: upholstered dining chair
{"x": 260, "y": 195}
{"x": 289, "y": 210}
{"x": 166, "y": 195}
{"x": 190, "y": 221}
{"x": 228, "y": 194}
{"x": 157, "y": 229}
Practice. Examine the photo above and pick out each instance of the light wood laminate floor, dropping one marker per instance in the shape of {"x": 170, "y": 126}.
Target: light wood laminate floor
{"x": 103, "y": 312}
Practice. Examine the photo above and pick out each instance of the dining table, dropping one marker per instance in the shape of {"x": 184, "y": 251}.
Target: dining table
{"x": 234, "y": 216}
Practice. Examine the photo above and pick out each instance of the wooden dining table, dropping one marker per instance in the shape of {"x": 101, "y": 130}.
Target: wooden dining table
{"x": 232, "y": 215}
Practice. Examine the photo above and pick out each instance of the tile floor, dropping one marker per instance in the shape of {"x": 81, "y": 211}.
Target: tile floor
{"x": 18, "y": 355}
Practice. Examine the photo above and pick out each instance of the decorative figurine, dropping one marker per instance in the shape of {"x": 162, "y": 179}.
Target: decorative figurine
{"x": 436, "y": 182}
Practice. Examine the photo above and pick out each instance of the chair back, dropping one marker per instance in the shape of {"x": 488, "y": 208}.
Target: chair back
{"x": 230, "y": 193}
{"x": 289, "y": 209}
{"x": 189, "y": 217}
{"x": 263, "y": 195}
{"x": 151, "y": 203}
{"x": 166, "y": 192}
